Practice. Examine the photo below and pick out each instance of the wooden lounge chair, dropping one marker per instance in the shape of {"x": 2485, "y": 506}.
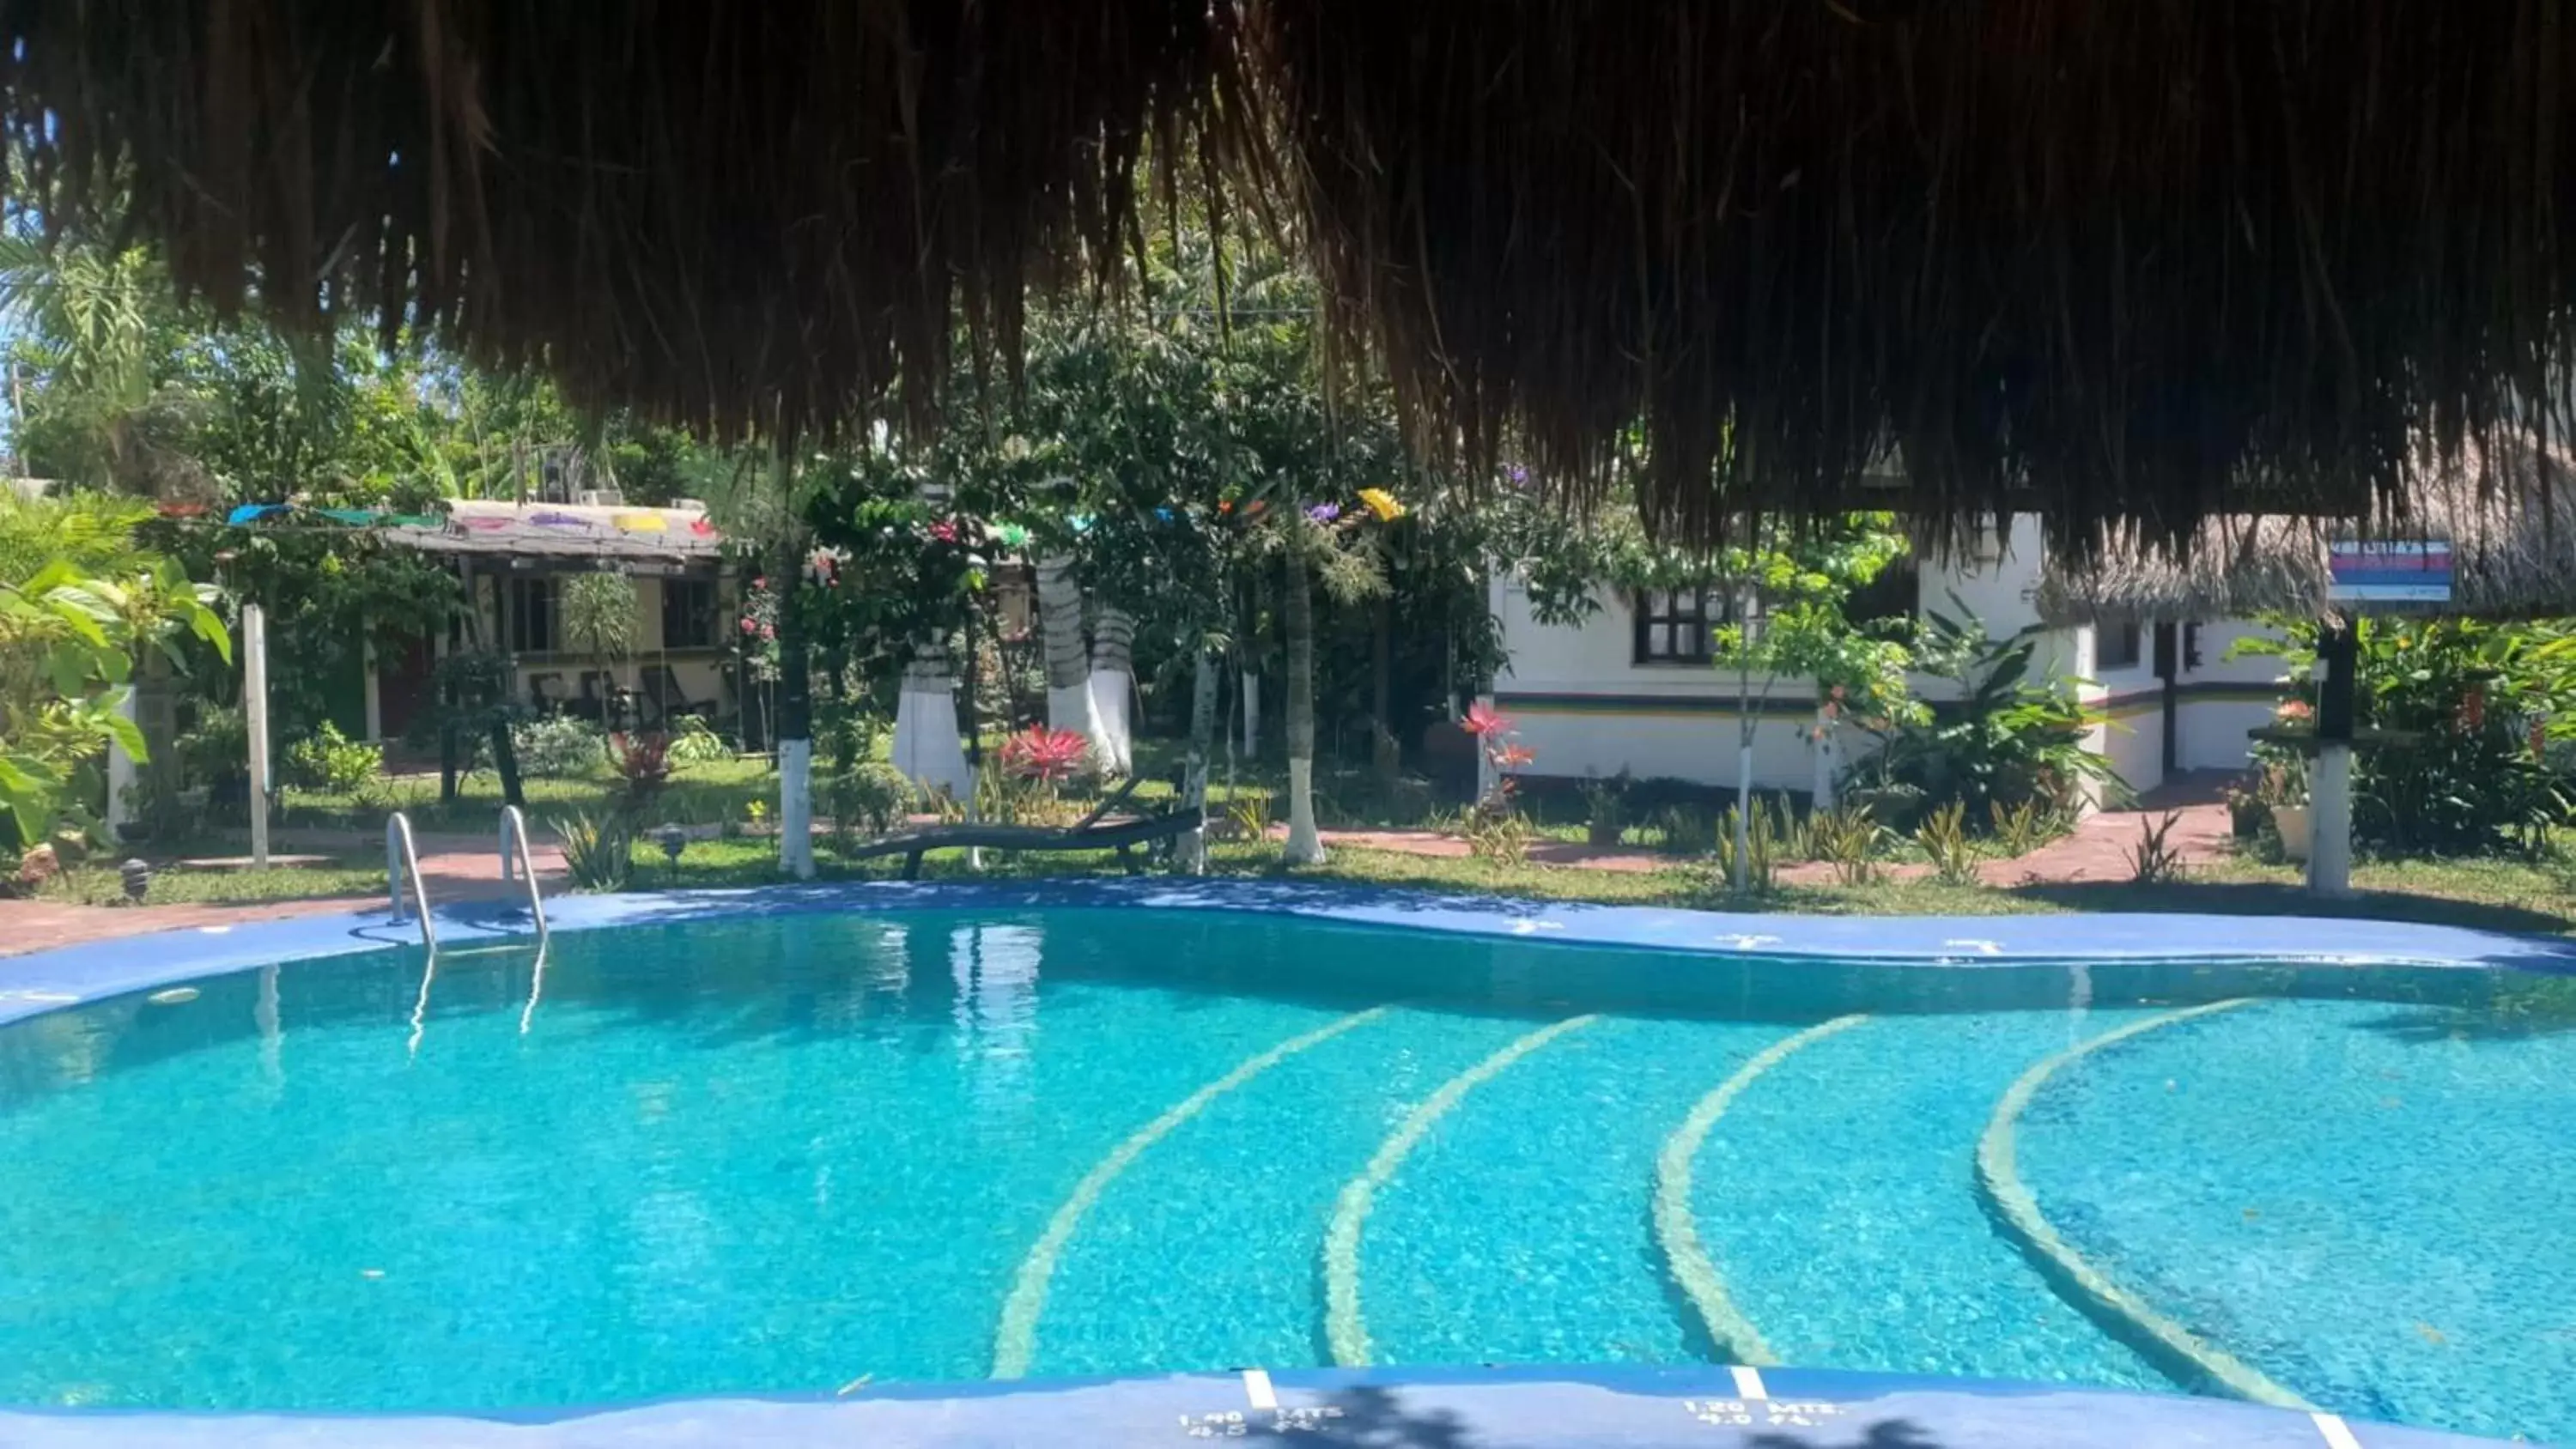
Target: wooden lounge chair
{"x": 1092, "y": 832}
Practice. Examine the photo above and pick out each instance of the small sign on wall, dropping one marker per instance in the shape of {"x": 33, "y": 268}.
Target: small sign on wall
{"x": 2390, "y": 571}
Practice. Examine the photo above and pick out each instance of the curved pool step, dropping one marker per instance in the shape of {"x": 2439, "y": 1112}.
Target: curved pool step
{"x": 2339, "y": 1194}
{"x": 1831, "y": 1198}
{"x": 1677, "y": 1233}
{"x": 2183, "y": 1353}
{"x": 1345, "y": 1324}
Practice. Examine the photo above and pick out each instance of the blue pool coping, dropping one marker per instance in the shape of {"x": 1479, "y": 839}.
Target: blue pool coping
{"x": 66, "y": 976}
{"x": 1554, "y": 1407}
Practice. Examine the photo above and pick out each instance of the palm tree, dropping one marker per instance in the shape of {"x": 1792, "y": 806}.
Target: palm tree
{"x": 88, "y": 323}
{"x": 1068, "y": 667}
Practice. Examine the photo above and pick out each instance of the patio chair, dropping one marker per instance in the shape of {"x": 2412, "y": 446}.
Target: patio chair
{"x": 545, "y": 693}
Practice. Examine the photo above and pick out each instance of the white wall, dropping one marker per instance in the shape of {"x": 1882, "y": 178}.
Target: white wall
{"x": 1586, "y": 707}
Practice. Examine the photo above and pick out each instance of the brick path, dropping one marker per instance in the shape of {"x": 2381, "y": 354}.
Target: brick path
{"x": 452, "y": 868}
{"x": 2098, "y": 849}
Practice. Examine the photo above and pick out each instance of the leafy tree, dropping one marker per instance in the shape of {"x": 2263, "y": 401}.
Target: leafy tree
{"x": 71, "y": 632}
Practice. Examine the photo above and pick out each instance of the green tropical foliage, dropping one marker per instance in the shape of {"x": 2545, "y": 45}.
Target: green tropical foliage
{"x": 2476, "y": 726}
{"x": 73, "y": 630}
{"x": 2009, "y": 739}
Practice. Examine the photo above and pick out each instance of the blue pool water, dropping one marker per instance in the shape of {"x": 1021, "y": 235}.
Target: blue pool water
{"x": 787, "y": 1153}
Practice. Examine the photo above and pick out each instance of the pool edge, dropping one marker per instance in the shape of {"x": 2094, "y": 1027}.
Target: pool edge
{"x": 1533, "y": 1408}
{"x": 66, "y": 976}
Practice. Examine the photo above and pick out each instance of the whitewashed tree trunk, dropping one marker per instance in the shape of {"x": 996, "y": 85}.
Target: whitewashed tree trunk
{"x": 926, "y": 746}
{"x": 1743, "y": 813}
{"x": 1113, "y": 686}
{"x": 2330, "y": 822}
{"x": 1194, "y": 775}
{"x": 1068, "y": 663}
{"x": 1251, "y": 693}
{"x": 796, "y": 807}
{"x": 1305, "y": 844}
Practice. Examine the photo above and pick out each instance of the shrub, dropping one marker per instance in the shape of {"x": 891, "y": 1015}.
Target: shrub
{"x": 2469, "y": 710}
{"x": 598, "y": 855}
{"x": 643, "y": 765}
{"x": 329, "y": 762}
{"x": 1848, "y": 838}
{"x": 1944, "y": 838}
{"x": 872, "y": 795}
{"x": 2006, "y": 740}
{"x": 558, "y": 747}
{"x": 694, "y": 742}
{"x": 1605, "y": 806}
{"x": 1685, "y": 830}
{"x": 2023, "y": 827}
{"x": 1499, "y": 838}
{"x": 2153, "y": 860}
{"x": 1762, "y": 853}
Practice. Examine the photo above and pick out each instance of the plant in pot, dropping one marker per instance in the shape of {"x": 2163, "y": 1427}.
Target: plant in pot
{"x": 2283, "y": 784}
{"x": 1605, "y": 805}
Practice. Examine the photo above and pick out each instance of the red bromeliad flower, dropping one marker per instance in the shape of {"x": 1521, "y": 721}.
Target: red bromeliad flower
{"x": 1484, "y": 719}
{"x": 1039, "y": 753}
{"x": 1512, "y": 757}
{"x": 2473, "y": 708}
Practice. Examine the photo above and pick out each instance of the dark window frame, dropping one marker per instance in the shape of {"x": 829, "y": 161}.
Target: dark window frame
{"x": 547, "y": 614}
{"x": 1709, "y": 608}
{"x": 693, "y": 603}
{"x": 2117, "y": 646}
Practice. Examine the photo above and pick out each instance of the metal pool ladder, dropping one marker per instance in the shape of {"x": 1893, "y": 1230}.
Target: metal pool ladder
{"x": 516, "y": 861}
{"x": 401, "y": 859}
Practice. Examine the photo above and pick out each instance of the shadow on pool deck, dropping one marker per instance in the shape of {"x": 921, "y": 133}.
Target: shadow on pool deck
{"x": 2263, "y": 898}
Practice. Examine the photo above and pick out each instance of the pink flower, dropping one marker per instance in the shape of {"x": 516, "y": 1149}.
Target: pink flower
{"x": 1512, "y": 757}
{"x": 2295, "y": 711}
{"x": 1484, "y": 719}
{"x": 945, "y": 530}
{"x": 750, "y": 625}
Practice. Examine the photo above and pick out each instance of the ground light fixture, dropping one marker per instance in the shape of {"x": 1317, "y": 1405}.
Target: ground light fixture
{"x": 137, "y": 874}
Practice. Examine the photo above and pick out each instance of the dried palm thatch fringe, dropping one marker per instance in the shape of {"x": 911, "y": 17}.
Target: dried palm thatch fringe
{"x": 2128, "y": 263}
{"x": 2115, "y": 261}
{"x": 734, "y": 216}
{"x": 2512, "y": 557}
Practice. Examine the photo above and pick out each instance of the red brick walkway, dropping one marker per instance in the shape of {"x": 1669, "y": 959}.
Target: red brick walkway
{"x": 2101, "y": 848}
{"x": 452, "y": 868}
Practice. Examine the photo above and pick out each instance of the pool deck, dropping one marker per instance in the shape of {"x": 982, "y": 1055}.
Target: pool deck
{"x": 43, "y": 980}
{"x": 1539, "y": 1408}
{"x": 1556, "y": 1407}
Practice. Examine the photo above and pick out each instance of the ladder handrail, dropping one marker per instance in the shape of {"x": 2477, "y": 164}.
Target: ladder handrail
{"x": 399, "y": 852}
{"x": 515, "y": 860}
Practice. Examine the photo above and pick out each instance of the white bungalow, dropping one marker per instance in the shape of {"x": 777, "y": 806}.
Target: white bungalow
{"x": 1631, "y": 688}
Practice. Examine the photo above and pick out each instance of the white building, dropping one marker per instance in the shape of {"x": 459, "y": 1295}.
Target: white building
{"x": 1630, "y": 688}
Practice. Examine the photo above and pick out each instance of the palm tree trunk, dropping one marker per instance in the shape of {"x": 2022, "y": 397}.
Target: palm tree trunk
{"x": 1068, "y": 670}
{"x": 1305, "y": 845}
{"x": 1113, "y": 685}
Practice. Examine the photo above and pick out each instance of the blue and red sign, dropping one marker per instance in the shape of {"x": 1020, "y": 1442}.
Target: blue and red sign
{"x": 2409, "y": 571}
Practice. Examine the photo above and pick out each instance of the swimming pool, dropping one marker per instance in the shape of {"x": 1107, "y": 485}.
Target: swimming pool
{"x": 794, "y": 1150}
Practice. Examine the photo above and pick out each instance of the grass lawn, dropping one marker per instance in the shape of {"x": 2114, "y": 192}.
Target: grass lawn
{"x": 2504, "y": 894}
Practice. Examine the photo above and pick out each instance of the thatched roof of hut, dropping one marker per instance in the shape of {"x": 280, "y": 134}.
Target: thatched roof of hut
{"x": 2121, "y": 263}
{"x": 2510, "y": 559}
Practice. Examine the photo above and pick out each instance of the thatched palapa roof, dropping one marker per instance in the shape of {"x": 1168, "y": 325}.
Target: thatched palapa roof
{"x": 2508, "y": 558}
{"x": 2115, "y": 261}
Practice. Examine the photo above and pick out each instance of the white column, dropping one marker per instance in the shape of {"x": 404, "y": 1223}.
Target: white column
{"x": 255, "y": 713}
{"x": 2330, "y": 822}
{"x": 796, "y": 808}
